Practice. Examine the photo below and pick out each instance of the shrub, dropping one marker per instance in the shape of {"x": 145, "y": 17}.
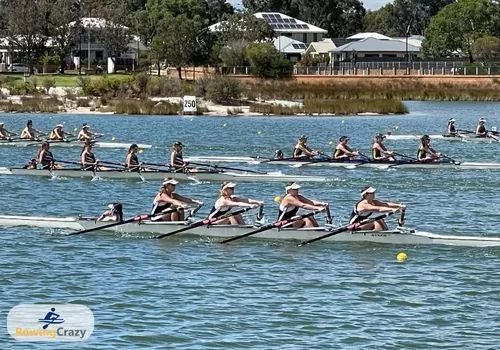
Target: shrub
{"x": 267, "y": 62}
{"x": 85, "y": 84}
{"x": 22, "y": 88}
{"x": 142, "y": 82}
{"x": 224, "y": 90}
{"x": 48, "y": 83}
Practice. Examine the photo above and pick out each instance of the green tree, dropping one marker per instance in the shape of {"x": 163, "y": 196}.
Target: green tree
{"x": 267, "y": 62}
{"x": 486, "y": 49}
{"x": 381, "y": 21}
{"x": 455, "y": 28}
{"x": 234, "y": 54}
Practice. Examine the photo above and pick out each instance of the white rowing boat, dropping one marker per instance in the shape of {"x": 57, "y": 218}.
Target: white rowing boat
{"x": 215, "y": 175}
{"x": 445, "y": 137}
{"x": 349, "y": 164}
{"x": 149, "y": 229}
{"x": 70, "y": 143}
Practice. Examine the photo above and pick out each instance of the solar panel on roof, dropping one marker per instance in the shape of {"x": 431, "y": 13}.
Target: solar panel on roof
{"x": 274, "y": 26}
{"x": 304, "y": 26}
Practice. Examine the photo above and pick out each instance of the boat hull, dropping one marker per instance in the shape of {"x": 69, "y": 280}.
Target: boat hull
{"x": 350, "y": 164}
{"x": 71, "y": 144}
{"x": 464, "y": 138}
{"x": 148, "y": 229}
{"x": 160, "y": 175}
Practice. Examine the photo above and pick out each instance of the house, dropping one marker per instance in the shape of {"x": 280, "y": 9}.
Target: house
{"x": 372, "y": 49}
{"x": 360, "y": 36}
{"x": 293, "y": 49}
{"x": 324, "y": 46}
{"x": 415, "y": 40}
{"x": 287, "y": 26}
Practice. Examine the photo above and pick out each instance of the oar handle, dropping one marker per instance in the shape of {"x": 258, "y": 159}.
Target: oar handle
{"x": 67, "y": 162}
{"x": 401, "y": 220}
{"x": 405, "y": 156}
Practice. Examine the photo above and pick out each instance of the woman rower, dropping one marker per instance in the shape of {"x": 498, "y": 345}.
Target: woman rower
{"x": 132, "y": 162}
{"x": 167, "y": 198}
{"x": 29, "y": 132}
{"x": 4, "y": 133}
{"x": 379, "y": 151}
{"x": 176, "y": 160}
{"x": 481, "y": 130}
{"x": 85, "y": 134}
{"x": 58, "y": 133}
{"x": 113, "y": 213}
{"x": 425, "y": 152}
{"x": 368, "y": 205}
{"x": 293, "y": 201}
{"x": 88, "y": 159}
{"x": 45, "y": 157}
{"x": 343, "y": 151}
{"x": 302, "y": 150}
{"x": 452, "y": 130}
{"x": 228, "y": 200}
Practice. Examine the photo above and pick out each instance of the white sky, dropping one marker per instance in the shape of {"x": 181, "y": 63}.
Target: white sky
{"x": 369, "y": 4}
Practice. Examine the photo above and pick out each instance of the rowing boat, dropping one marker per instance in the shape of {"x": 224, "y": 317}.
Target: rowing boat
{"x": 149, "y": 229}
{"x": 70, "y": 143}
{"x": 445, "y": 137}
{"x": 350, "y": 164}
{"x": 215, "y": 175}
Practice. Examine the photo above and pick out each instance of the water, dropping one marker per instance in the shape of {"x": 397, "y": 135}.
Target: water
{"x": 190, "y": 293}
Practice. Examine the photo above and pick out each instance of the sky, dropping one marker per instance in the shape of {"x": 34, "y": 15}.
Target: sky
{"x": 368, "y": 4}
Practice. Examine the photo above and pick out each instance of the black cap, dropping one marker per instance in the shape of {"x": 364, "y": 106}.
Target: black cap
{"x": 343, "y": 138}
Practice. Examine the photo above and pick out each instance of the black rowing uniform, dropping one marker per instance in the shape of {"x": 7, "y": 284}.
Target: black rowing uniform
{"x": 376, "y": 153}
{"x": 481, "y": 131}
{"x": 452, "y": 130}
{"x": 89, "y": 158}
{"x": 356, "y": 216}
{"x": 218, "y": 210}
{"x": 178, "y": 160}
{"x": 47, "y": 160}
{"x": 134, "y": 163}
{"x": 159, "y": 206}
{"x": 286, "y": 213}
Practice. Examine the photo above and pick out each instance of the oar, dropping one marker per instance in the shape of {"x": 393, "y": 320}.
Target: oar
{"x": 276, "y": 224}
{"x": 112, "y": 163}
{"x": 134, "y": 219}
{"x": 401, "y": 220}
{"x": 405, "y": 156}
{"x": 361, "y": 162}
{"x": 270, "y": 160}
{"x": 466, "y": 131}
{"x": 67, "y": 162}
{"x": 227, "y": 168}
{"x": 450, "y": 159}
{"x": 348, "y": 227}
{"x": 157, "y": 164}
{"x": 203, "y": 222}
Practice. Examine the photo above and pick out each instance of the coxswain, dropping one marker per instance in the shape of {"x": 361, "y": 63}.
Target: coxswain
{"x": 293, "y": 201}
{"x": 45, "y": 157}
{"x": 379, "y": 151}
{"x": 368, "y": 205}
{"x": 343, "y": 151}
{"x": 88, "y": 159}
{"x": 4, "y": 133}
{"x": 425, "y": 152}
{"x": 228, "y": 200}
{"x": 167, "y": 198}
{"x": 29, "y": 132}
{"x": 113, "y": 213}
{"x": 302, "y": 150}
{"x": 85, "y": 134}
{"x": 176, "y": 160}
{"x": 58, "y": 133}
{"x": 481, "y": 130}
{"x": 132, "y": 162}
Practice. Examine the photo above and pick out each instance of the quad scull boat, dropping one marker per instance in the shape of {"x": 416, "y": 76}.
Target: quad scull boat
{"x": 350, "y": 164}
{"x": 209, "y": 175}
{"x": 150, "y": 229}
{"x": 69, "y": 143}
{"x": 444, "y": 137}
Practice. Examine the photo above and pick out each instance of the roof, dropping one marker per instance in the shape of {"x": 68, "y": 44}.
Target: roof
{"x": 376, "y": 45}
{"x": 415, "y": 40}
{"x": 281, "y": 24}
{"x": 368, "y": 35}
{"x": 288, "y": 45}
{"x": 94, "y": 22}
{"x": 323, "y": 46}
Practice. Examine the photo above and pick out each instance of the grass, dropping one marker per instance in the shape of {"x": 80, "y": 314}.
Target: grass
{"x": 66, "y": 80}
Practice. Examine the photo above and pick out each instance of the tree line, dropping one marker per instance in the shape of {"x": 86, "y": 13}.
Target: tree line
{"x": 175, "y": 31}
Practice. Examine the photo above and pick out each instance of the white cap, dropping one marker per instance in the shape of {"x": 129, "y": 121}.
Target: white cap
{"x": 1, "y": 123}
{"x": 368, "y": 190}
{"x": 482, "y": 119}
{"x": 229, "y": 185}
{"x": 59, "y": 126}
{"x": 451, "y": 120}
{"x": 111, "y": 206}
{"x": 170, "y": 182}
{"x": 294, "y": 186}
{"x": 86, "y": 126}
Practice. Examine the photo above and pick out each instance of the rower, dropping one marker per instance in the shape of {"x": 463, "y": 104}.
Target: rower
{"x": 368, "y": 205}
{"x": 132, "y": 161}
{"x": 481, "y": 130}
{"x": 58, "y": 133}
{"x": 425, "y": 152}
{"x": 452, "y": 130}
{"x": 29, "y": 132}
{"x": 343, "y": 151}
{"x": 4, "y": 133}
{"x": 167, "y": 198}
{"x": 293, "y": 201}
{"x": 85, "y": 134}
{"x": 278, "y": 155}
{"x": 302, "y": 150}
{"x": 45, "y": 157}
{"x": 379, "y": 151}
{"x": 176, "y": 159}
{"x": 88, "y": 159}
{"x": 228, "y": 200}
{"x": 113, "y": 213}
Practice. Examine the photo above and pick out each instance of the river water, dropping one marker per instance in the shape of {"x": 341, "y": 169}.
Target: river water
{"x": 189, "y": 293}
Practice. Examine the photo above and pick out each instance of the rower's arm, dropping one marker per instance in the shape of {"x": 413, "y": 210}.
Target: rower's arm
{"x": 375, "y": 208}
{"x": 389, "y": 204}
{"x": 303, "y": 203}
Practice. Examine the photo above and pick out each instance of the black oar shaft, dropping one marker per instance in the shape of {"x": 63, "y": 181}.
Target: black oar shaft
{"x": 214, "y": 166}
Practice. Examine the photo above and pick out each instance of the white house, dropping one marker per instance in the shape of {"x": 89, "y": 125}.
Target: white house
{"x": 293, "y": 49}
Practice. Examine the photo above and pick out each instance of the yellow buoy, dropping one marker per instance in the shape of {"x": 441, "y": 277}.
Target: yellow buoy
{"x": 277, "y": 199}
{"x": 75, "y": 129}
{"x": 330, "y": 143}
{"x": 343, "y": 121}
{"x": 401, "y": 257}
{"x": 259, "y": 132}
{"x": 224, "y": 125}
{"x": 141, "y": 150}
{"x": 396, "y": 127}
{"x": 113, "y": 138}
